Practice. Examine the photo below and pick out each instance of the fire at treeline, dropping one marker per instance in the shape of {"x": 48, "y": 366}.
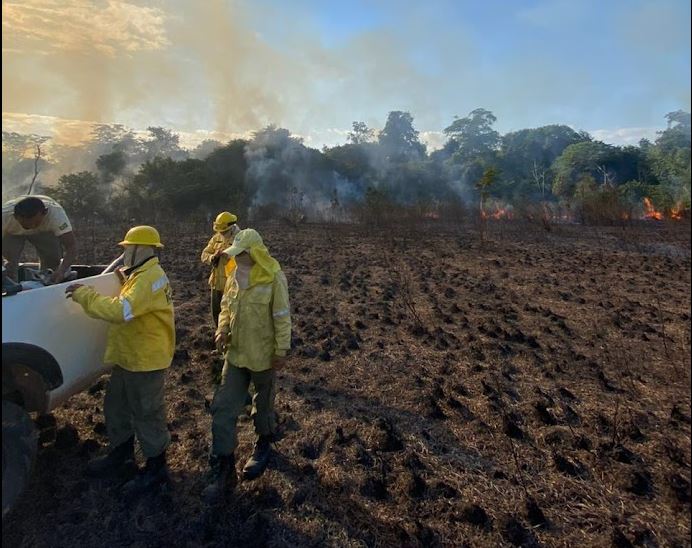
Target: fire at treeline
{"x": 551, "y": 172}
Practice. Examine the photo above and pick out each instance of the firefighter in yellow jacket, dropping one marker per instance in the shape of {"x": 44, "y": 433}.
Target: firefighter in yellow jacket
{"x": 225, "y": 228}
{"x": 140, "y": 345}
{"x": 254, "y": 332}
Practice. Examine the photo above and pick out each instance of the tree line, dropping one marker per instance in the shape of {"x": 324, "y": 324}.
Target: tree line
{"x": 273, "y": 173}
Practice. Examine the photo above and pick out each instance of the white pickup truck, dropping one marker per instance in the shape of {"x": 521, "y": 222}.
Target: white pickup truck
{"x": 51, "y": 350}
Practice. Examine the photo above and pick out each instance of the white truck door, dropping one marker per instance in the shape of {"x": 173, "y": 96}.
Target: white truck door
{"x": 45, "y": 318}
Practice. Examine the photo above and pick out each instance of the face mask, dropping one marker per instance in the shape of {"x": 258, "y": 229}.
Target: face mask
{"x": 129, "y": 255}
{"x": 242, "y": 272}
{"x": 244, "y": 260}
{"x": 135, "y": 255}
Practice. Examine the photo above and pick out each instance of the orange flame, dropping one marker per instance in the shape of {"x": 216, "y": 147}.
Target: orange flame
{"x": 650, "y": 211}
{"x": 498, "y": 212}
{"x": 677, "y": 211}
{"x": 501, "y": 213}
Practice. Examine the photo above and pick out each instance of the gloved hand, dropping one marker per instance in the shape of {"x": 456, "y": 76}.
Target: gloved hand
{"x": 221, "y": 341}
{"x": 70, "y": 289}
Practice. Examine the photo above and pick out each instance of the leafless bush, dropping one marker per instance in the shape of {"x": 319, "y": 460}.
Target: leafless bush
{"x": 406, "y": 292}
{"x": 604, "y": 207}
{"x": 542, "y": 214}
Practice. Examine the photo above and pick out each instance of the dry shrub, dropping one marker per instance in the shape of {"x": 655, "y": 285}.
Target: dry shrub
{"x": 541, "y": 214}
{"x": 604, "y": 206}
{"x": 453, "y": 210}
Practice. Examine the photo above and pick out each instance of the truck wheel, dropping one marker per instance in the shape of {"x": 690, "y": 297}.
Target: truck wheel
{"x": 19, "y": 442}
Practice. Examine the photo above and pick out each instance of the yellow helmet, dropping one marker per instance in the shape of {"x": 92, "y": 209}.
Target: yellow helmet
{"x": 142, "y": 235}
{"x": 224, "y": 220}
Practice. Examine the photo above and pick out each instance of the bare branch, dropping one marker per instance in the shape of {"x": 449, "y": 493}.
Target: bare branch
{"x": 37, "y": 157}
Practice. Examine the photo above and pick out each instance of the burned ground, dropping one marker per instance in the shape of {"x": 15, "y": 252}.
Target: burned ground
{"x": 533, "y": 391}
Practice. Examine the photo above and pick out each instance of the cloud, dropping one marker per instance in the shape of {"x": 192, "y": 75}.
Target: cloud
{"x": 43, "y": 26}
{"x": 80, "y": 59}
{"x": 65, "y": 132}
{"x": 201, "y": 64}
{"x": 626, "y": 135}
{"x": 61, "y": 131}
{"x": 433, "y": 140}
{"x": 190, "y": 139}
{"x": 233, "y": 66}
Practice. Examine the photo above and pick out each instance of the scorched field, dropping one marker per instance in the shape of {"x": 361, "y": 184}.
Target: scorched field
{"x": 534, "y": 390}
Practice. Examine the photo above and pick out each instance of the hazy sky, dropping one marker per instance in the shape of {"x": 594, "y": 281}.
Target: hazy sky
{"x": 222, "y": 68}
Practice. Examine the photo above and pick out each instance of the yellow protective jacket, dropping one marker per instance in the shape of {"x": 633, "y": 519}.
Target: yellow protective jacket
{"x": 258, "y": 322}
{"x": 142, "y": 334}
{"x": 226, "y": 265}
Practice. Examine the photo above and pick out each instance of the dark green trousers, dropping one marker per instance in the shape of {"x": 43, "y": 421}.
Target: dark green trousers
{"x": 230, "y": 400}
{"x": 135, "y": 404}
{"x": 216, "y": 296}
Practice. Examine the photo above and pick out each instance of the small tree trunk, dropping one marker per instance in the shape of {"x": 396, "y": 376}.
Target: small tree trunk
{"x": 482, "y": 219}
{"x": 92, "y": 229}
{"x": 37, "y": 157}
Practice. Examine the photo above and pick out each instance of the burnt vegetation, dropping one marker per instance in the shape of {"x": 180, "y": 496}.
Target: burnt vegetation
{"x": 541, "y": 176}
{"x": 491, "y": 340}
{"x": 529, "y": 389}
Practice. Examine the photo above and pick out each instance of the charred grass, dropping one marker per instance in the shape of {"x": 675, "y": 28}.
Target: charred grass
{"x": 534, "y": 390}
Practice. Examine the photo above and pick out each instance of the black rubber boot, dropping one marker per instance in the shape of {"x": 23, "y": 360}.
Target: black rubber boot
{"x": 117, "y": 460}
{"x": 257, "y": 463}
{"x": 222, "y": 478}
{"x": 152, "y": 476}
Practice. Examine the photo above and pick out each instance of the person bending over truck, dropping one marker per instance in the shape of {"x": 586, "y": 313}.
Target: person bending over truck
{"x": 225, "y": 228}
{"x": 254, "y": 332}
{"x": 140, "y": 345}
{"x": 43, "y": 222}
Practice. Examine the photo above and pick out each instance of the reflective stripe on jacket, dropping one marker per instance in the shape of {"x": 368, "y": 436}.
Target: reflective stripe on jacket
{"x": 258, "y": 320}
{"x": 142, "y": 332}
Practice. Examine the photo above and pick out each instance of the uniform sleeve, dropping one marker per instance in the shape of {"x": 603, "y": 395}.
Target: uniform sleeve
{"x": 281, "y": 313}
{"x": 208, "y": 252}
{"x": 224, "y": 314}
{"x": 135, "y": 301}
{"x": 60, "y": 224}
{"x": 110, "y": 309}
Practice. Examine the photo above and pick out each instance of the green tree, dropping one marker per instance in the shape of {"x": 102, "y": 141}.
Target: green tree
{"x": 205, "y": 148}
{"x": 473, "y": 136}
{"x": 164, "y": 143}
{"x": 113, "y": 139}
{"x": 144, "y": 195}
{"x": 484, "y": 185}
{"x": 361, "y": 134}
{"x": 351, "y": 161}
{"x": 670, "y": 158}
{"x": 111, "y": 165}
{"x": 528, "y": 154}
{"x": 81, "y": 194}
{"x": 585, "y": 158}
{"x": 399, "y": 139}
{"x": 227, "y": 167}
